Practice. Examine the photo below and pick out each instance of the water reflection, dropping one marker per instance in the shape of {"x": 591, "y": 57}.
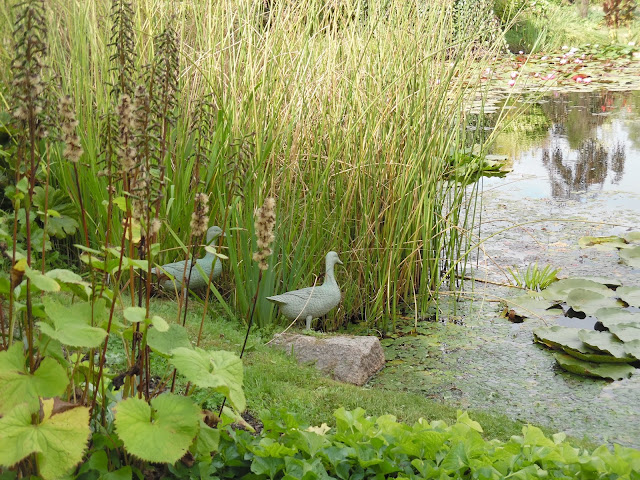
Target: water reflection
{"x": 579, "y": 142}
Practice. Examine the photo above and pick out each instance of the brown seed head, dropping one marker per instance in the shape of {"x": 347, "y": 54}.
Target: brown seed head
{"x": 200, "y": 217}
{"x": 265, "y": 220}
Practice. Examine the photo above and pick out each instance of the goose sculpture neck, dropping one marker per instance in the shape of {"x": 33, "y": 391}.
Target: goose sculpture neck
{"x": 311, "y": 302}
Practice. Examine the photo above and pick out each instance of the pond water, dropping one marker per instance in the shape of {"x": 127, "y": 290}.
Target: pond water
{"x": 575, "y": 146}
{"x": 575, "y": 172}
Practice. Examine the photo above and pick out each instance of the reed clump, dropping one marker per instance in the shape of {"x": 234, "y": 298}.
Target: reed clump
{"x": 353, "y": 117}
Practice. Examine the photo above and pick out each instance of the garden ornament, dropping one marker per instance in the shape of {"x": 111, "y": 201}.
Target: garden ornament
{"x": 167, "y": 273}
{"x": 311, "y": 302}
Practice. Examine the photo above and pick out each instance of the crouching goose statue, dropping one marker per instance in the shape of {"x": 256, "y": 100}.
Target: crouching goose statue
{"x": 311, "y": 302}
{"x": 176, "y": 269}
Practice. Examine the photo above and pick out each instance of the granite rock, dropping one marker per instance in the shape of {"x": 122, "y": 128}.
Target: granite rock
{"x": 344, "y": 358}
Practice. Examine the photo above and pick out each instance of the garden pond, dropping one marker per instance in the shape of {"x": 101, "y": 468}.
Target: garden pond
{"x": 575, "y": 171}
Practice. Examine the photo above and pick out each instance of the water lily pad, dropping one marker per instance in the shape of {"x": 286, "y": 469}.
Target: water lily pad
{"x": 561, "y": 289}
{"x": 607, "y": 282}
{"x": 606, "y": 370}
{"x": 567, "y": 340}
{"x": 589, "y": 301}
{"x": 603, "y": 243}
{"x": 632, "y": 237}
{"x": 531, "y": 305}
{"x": 630, "y": 295}
{"x": 558, "y": 337}
{"x": 633, "y": 348}
{"x": 616, "y": 316}
{"x": 631, "y": 256}
{"x": 604, "y": 342}
{"x": 626, "y": 333}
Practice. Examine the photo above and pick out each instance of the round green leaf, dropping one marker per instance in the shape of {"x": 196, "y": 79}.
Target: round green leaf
{"x": 159, "y": 323}
{"x": 41, "y": 281}
{"x": 567, "y": 340}
{"x": 161, "y": 432}
{"x": 530, "y": 305}
{"x": 602, "y": 243}
{"x": 164, "y": 342}
{"x": 66, "y": 276}
{"x": 71, "y": 324}
{"x": 218, "y": 370}
{"x": 59, "y": 441}
{"x": 633, "y": 348}
{"x": 632, "y": 237}
{"x": 135, "y": 314}
{"x": 18, "y": 386}
{"x": 607, "y": 282}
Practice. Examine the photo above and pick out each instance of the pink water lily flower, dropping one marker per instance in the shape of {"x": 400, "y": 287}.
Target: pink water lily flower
{"x": 514, "y": 75}
{"x": 512, "y": 82}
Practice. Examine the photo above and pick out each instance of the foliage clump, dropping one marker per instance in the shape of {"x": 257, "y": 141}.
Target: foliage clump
{"x": 618, "y": 12}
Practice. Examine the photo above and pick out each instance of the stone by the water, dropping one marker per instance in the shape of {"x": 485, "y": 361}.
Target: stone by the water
{"x": 344, "y": 358}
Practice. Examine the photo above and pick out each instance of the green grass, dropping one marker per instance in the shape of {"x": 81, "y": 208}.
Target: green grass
{"x": 274, "y": 380}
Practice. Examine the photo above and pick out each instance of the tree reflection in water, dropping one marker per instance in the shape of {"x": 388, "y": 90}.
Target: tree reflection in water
{"x": 585, "y": 165}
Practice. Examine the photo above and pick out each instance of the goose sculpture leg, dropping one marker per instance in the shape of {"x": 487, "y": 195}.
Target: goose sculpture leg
{"x": 312, "y": 302}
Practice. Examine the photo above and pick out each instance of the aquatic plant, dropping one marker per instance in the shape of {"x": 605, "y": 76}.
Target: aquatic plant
{"x": 534, "y": 277}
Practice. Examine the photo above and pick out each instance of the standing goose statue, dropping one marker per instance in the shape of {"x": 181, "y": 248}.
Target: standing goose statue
{"x": 311, "y": 302}
{"x": 176, "y": 269}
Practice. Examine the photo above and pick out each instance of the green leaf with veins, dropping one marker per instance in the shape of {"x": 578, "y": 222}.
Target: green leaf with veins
{"x": 71, "y": 324}
{"x": 218, "y": 370}
{"x": 164, "y": 342}
{"x": 18, "y": 386}
{"x": 135, "y": 314}
{"x": 58, "y": 440}
{"x": 40, "y": 281}
{"x": 161, "y": 432}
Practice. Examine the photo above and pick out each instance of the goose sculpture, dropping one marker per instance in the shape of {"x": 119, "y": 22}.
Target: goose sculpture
{"x": 311, "y": 302}
{"x": 177, "y": 269}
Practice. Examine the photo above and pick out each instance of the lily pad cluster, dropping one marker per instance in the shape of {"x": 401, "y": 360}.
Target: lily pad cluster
{"x": 628, "y": 246}
{"x": 610, "y": 351}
